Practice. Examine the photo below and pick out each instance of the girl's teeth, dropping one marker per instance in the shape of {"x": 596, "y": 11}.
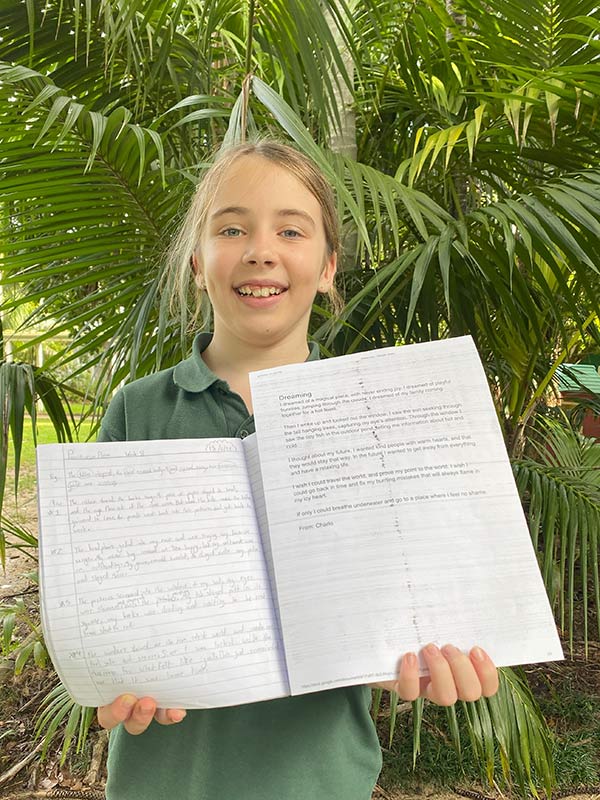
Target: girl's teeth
{"x": 258, "y": 291}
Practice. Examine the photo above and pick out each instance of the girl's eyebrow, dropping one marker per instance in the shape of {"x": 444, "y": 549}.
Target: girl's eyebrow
{"x": 283, "y": 212}
{"x": 296, "y": 212}
{"x": 229, "y": 210}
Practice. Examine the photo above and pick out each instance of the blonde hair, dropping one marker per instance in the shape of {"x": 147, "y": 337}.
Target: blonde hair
{"x": 178, "y": 280}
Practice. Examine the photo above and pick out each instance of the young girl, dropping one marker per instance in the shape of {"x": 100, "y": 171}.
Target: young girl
{"x": 262, "y": 236}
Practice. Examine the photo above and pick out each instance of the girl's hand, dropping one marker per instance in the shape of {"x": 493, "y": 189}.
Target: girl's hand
{"x": 453, "y": 676}
{"x": 136, "y": 714}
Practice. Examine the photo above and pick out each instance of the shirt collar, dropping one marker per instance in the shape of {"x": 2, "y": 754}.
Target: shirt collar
{"x": 193, "y": 375}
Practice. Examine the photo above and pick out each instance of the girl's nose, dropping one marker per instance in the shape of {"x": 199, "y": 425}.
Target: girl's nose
{"x": 259, "y": 252}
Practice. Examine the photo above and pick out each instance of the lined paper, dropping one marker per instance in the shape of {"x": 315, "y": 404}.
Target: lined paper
{"x": 393, "y": 515}
{"x": 153, "y": 575}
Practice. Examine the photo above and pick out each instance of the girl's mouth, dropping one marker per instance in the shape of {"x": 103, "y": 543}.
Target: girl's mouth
{"x": 248, "y": 290}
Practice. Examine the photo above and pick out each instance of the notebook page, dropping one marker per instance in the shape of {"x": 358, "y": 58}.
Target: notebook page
{"x": 393, "y": 515}
{"x": 153, "y": 579}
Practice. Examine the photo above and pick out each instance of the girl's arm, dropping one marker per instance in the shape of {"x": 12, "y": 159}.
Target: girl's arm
{"x": 453, "y": 676}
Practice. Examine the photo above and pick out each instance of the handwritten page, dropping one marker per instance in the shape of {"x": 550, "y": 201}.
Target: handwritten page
{"x": 393, "y": 515}
{"x": 153, "y": 575}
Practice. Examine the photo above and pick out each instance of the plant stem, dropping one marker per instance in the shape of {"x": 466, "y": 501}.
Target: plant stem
{"x": 247, "y": 71}
{"x": 249, "y": 40}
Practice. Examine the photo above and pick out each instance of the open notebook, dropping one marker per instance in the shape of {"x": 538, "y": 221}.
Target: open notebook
{"x": 374, "y": 511}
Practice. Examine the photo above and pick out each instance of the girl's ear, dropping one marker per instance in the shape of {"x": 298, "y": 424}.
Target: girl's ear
{"x": 328, "y": 274}
{"x": 197, "y": 270}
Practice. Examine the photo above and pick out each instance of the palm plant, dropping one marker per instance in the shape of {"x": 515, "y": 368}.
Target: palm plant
{"x": 471, "y": 204}
{"x": 562, "y": 484}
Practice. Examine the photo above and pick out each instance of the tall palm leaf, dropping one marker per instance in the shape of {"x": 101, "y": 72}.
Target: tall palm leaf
{"x": 561, "y": 487}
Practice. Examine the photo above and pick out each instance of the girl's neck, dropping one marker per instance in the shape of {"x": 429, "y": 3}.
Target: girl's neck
{"x": 229, "y": 354}
{"x": 233, "y": 360}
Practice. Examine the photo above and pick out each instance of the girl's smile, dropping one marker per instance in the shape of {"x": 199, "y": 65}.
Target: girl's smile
{"x": 260, "y": 289}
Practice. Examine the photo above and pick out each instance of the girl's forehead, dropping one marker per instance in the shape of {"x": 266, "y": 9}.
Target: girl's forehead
{"x": 254, "y": 175}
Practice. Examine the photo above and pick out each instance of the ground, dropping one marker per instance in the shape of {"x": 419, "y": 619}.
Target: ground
{"x": 571, "y": 691}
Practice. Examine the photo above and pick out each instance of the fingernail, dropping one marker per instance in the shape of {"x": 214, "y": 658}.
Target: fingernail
{"x": 146, "y": 707}
{"x": 431, "y": 649}
{"x": 478, "y": 654}
{"x": 176, "y": 716}
{"x": 410, "y": 660}
{"x": 449, "y": 650}
{"x": 128, "y": 701}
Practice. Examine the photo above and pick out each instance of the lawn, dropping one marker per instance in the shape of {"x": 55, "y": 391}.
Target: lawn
{"x": 20, "y": 508}
{"x": 45, "y": 434}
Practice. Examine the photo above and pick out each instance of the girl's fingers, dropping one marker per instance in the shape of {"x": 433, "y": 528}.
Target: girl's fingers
{"x": 466, "y": 678}
{"x": 407, "y": 684}
{"x": 486, "y": 671}
{"x": 441, "y": 688}
{"x": 169, "y": 716}
{"x": 118, "y": 711}
{"x": 136, "y": 714}
{"x": 453, "y": 675}
{"x": 141, "y": 716}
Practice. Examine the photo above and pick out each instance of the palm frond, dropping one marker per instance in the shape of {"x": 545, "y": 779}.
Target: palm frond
{"x": 509, "y": 725}
{"x": 561, "y": 490}
{"x": 59, "y": 712}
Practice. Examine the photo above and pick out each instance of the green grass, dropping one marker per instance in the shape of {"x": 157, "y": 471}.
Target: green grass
{"x": 577, "y": 756}
{"x": 45, "y": 434}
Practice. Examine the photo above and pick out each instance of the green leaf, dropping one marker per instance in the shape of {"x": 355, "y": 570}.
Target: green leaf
{"x": 421, "y": 268}
{"x": 40, "y": 655}
{"x": 23, "y": 656}
{"x": 8, "y": 627}
{"x": 377, "y": 695}
{"x": 452, "y": 721}
{"x": 98, "y": 122}
{"x": 57, "y": 107}
{"x": 70, "y": 730}
{"x": 201, "y": 114}
{"x": 394, "y": 699}
{"x": 417, "y": 709}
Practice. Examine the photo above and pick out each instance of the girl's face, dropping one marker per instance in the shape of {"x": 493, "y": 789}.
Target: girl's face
{"x": 262, "y": 255}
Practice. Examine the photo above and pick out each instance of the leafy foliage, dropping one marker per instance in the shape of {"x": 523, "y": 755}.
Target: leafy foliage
{"x": 58, "y": 708}
{"x": 562, "y": 488}
{"x": 472, "y": 206}
{"x": 507, "y": 732}
{"x": 21, "y": 385}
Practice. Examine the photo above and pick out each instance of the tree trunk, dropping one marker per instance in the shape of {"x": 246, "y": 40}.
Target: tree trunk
{"x": 342, "y": 133}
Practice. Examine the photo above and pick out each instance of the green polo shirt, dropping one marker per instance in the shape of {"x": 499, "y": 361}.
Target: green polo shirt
{"x": 320, "y": 746}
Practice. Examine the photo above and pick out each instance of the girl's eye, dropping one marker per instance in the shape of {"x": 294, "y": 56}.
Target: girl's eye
{"x": 290, "y": 233}
{"x": 231, "y": 232}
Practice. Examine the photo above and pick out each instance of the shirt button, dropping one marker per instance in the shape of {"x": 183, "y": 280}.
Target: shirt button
{"x": 243, "y": 434}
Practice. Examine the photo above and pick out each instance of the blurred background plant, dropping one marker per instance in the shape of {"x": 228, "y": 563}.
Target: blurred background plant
{"x": 461, "y": 140}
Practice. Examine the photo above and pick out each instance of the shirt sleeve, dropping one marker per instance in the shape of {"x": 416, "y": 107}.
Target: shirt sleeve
{"x": 113, "y": 427}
